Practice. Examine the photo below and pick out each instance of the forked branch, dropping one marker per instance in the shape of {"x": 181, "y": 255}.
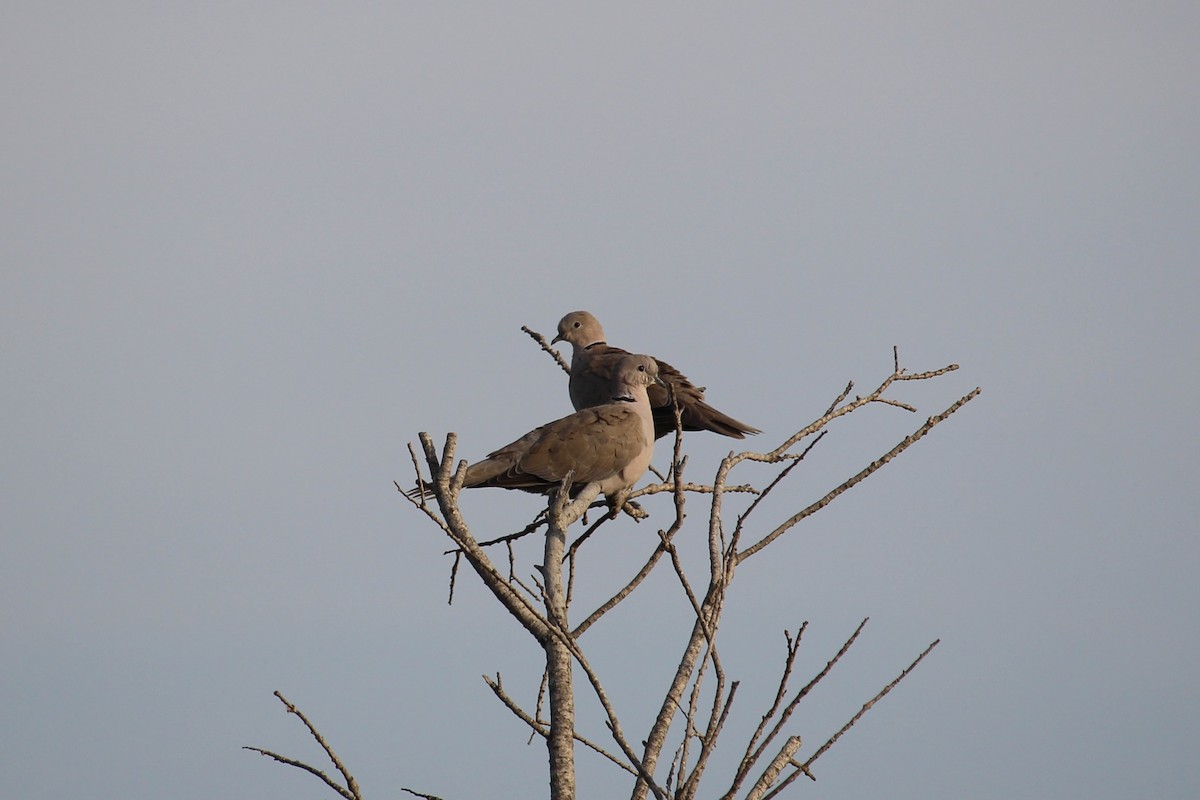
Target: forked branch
{"x": 806, "y": 767}
{"x": 350, "y": 791}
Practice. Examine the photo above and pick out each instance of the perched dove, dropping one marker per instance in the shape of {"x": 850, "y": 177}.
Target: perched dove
{"x": 593, "y": 363}
{"x": 610, "y": 444}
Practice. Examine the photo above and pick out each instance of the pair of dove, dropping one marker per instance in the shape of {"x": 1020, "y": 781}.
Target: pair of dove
{"x": 623, "y": 404}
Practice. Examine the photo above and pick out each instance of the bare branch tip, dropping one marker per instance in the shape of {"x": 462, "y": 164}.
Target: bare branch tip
{"x": 541, "y": 340}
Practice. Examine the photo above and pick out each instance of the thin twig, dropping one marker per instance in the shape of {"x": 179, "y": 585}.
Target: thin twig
{"x": 792, "y": 460}
{"x": 751, "y": 754}
{"x": 903, "y": 445}
{"x": 417, "y": 469}
{"x": 541, "y": 340}
{"x": 800, "y": 695}
{"x": 420, "y": 794}
{"x": 887, "y": 401}
{"x": 708, "y": 742}
{"x": 583, "y": 537}
{"x": 350, "y": 791}
{"x": 870, "y": 703}
{"x": 445, "y": 488}
{"x": 695, "y": 488}
{"x": 924, "y": 376}
{"x": 677, "y": 468}
{"x": 454, "y": 576}
{"x": 538, "y": 522}
{"x": 838, "y": 400}
{"x": 291, "y": 762}
{"x": 540, "y": 729}
{"x": 806, "y": 767}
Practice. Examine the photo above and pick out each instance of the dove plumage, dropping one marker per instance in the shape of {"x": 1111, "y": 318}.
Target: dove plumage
{"x": 594, "y": 362}
{"x": 609, "y": 444}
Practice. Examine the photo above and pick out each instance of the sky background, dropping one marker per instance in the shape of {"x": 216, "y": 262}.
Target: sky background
{"x": 249, "y": 251}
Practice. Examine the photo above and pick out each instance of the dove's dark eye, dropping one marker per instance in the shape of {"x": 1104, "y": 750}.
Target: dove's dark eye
{"x": 577, "y": 324}
{"x": 641, "y": 369}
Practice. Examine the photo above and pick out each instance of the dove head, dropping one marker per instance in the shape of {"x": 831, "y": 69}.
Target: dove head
{"x": 580, "y": 329}
{"x": 633, "y": 372}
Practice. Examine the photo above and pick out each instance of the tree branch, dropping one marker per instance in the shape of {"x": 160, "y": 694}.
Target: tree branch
{"x": 541, "y": 340}
{"x": 350, "y": 791}
{"x": 540, "y": 729}
{"x": 806, "y": 767}
{"x": 774, "y": 768}
{"x": 557, "y": 646}
{"x": 850, "y": 483}
{"x": 561, "y": 643}
{"x": 445, "y": 489}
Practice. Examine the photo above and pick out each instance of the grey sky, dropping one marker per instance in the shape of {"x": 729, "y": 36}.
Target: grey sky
{"x": 248, "y": 253}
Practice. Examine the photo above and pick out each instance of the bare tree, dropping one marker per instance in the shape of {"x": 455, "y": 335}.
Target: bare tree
{"x": 671, "y": 758}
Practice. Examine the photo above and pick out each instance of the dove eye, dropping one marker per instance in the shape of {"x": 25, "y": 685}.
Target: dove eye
{"x": 577, "y": 324}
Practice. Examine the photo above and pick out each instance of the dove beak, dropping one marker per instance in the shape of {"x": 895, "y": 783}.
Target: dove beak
{"x": 557, "y": 338}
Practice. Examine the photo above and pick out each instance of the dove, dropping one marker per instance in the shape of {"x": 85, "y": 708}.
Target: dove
{"x": 610, "y": 443}
{"x": 594, "y": 362}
